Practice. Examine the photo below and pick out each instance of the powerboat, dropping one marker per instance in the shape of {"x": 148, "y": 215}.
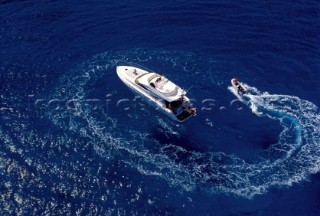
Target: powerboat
{"x": 237, "y": 85}
{"x": 159, "y": 91}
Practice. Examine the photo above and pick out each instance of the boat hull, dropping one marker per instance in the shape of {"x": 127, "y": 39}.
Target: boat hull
{"x": 239, "y": 88}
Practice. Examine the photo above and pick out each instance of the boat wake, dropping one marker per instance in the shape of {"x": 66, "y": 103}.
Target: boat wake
{"x": 292, "y": 159}
{"x": 296, "y": 155}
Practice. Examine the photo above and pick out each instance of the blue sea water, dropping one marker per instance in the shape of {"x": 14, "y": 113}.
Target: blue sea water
{"x": 75, "y": 141}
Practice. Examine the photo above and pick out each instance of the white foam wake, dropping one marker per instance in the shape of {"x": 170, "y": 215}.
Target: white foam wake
{"x": 296, "y": 155}
{"x": 292, "y": 159}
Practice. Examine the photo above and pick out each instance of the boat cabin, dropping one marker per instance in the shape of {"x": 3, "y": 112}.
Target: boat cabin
{"x": 160, "y": 86}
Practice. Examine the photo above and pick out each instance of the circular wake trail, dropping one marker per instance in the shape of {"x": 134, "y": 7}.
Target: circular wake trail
{"x": 292, "y": 159}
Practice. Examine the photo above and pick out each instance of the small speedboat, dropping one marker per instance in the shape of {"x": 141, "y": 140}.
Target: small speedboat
{"x": 159, "y": 91}
{"x": 237, "y": 85}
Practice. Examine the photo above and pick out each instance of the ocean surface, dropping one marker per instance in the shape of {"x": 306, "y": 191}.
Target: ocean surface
{"x": 76, "y": 141}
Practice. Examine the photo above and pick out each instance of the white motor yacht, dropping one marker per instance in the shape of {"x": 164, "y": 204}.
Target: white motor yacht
{"x": 159, "y": 91}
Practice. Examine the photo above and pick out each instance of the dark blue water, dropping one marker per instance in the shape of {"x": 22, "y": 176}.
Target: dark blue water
{"x": 68, "y": 146}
